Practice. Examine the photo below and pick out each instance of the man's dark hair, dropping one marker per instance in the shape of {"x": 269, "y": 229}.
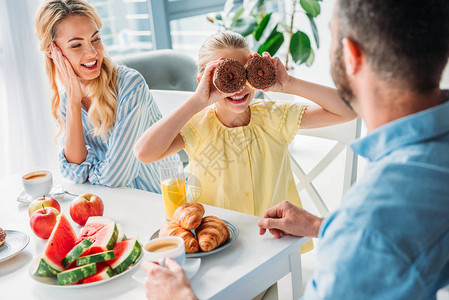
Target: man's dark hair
{"x": 405, "y": 41}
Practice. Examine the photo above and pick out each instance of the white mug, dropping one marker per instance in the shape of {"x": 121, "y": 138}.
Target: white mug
{"x": 37, "y": 183}
{"x": 157, "y": 250}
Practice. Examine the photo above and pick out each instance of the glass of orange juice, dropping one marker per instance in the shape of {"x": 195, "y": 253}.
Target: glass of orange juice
{"x": 173, "y": 186}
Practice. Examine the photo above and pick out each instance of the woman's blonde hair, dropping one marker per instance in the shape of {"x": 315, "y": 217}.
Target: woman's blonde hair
{"x": 101, "y": 90}
{"x": 218, "y": 41}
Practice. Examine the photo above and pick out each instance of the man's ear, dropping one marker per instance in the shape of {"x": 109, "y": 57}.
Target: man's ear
{"x": 352, "y": 56}
{"x": 198, "y": 78}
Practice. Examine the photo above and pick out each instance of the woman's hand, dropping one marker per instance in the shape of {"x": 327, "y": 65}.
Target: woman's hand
{"x": 67, "y": 76}
{"x": 206, "y": 93}
{"x": 282, "y": 77}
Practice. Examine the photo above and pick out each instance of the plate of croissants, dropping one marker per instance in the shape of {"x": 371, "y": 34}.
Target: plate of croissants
{"x": 202, "y": 235}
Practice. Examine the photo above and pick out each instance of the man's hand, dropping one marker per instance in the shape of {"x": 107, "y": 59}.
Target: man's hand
{"x": 169, "y": 282}
{"x": 286, "y": 218}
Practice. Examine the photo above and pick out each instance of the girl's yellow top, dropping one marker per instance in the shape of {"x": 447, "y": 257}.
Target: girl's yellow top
{"x": 247, "y": 168}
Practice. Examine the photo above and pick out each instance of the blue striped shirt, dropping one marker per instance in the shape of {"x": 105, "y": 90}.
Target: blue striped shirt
{"x": 389, "y": 239}
{"x": 110, "y": 160}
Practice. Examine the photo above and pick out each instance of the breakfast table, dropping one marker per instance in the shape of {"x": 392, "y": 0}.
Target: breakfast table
{"x": 251, "y": 264}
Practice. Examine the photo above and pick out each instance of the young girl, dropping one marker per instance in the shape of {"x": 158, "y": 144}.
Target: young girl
{"x": 238, "y": 150}
{"x": 103, "y": 108}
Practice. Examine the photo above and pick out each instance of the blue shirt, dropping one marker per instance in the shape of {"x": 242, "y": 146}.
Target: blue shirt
{"x": 110, "y": 160}
{"x": 389, "y": 239}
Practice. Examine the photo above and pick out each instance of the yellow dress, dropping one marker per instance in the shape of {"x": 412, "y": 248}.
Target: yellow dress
{"x": 247, "y": 168}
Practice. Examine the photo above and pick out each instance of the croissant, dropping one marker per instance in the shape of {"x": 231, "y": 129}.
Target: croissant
{"x": 189, "y": 215}
{"x": 212, "y": 233}
{"x": 172, "y": 229}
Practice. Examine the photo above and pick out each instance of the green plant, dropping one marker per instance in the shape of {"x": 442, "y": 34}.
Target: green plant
{"x": 269, "y": 31}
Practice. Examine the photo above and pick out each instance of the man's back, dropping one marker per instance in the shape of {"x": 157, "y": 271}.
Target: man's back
{"x": 390, "y": 237}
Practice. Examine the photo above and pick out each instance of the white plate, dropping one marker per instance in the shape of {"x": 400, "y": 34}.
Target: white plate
{"x": 53, "y": 281}
{"x": 15, "y": 242}
{"x": 56, "y": 191}
{"x": 233, "y": 234}
{"x": 191, "y": 267}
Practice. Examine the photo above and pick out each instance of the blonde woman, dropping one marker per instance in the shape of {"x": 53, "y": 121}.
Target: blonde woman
{"x": 101, "y": 108}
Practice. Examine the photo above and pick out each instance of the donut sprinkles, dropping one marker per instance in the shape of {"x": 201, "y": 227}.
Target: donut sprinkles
{"x": 229, "y": 76}
{"x": 260, "y": 73}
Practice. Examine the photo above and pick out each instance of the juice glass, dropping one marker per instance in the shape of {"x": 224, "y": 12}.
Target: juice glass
{"x": 173, "y": 186}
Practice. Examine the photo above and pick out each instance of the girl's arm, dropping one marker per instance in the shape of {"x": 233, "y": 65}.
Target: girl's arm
{"x": 75, "y": 147}
{"x": 163, "y": 138}
{"x": 330, "y": 110}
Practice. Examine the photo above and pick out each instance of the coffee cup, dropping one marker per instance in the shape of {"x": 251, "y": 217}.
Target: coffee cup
{"x": 37, "y": 183}
{"x": 157, "y": 250}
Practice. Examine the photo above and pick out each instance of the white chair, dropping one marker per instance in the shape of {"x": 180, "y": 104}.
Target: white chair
{"x": 342, "y": 134}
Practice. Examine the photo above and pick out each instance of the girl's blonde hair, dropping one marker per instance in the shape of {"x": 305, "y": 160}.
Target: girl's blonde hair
{"x": 101, "y": 90}
{"x": 218, "y": 41}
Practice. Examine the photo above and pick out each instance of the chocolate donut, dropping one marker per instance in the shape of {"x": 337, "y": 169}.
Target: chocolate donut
{"x": 2, "y": 237}
{"x": 229, "y": 76}
{"x": 260, "y": 72}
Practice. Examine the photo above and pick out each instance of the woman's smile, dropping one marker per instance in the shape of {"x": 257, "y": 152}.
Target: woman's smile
{"x": 91, "y": 66}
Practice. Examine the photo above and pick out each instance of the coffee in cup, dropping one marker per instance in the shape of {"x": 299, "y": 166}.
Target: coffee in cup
{"x": 37, "y": 183}
{"x": 157, "y": 250}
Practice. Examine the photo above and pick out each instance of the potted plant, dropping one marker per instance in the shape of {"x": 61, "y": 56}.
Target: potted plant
{"x": 270, "y": 32}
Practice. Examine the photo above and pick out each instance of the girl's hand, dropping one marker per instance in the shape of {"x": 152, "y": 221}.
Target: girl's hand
{"x": 206, "y": 91}
{"x": 67, "y": 75}
{"x": 282, "y": 77}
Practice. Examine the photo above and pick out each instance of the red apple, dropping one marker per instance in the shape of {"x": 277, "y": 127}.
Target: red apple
{"x": 43, "y": 220}
{"x": 46, "y": 201}
{"x": 85, "y": 206}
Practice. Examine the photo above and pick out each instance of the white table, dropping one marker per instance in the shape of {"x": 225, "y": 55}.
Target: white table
{"x": 242, "y": 271}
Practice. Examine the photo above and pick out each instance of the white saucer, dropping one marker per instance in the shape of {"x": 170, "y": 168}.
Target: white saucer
{"x": 56, "y": 191}
{"x": 15, "y": 242}
{"x": 191, "y": 267}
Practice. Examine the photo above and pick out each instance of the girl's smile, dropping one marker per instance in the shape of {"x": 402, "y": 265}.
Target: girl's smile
{"x": 238, "y": 98}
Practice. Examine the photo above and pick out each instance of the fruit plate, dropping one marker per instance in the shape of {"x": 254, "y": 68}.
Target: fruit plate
{"x": 233, "y": 234}
{"x": 53, "y": 281}
{"x": 15, "y": 242}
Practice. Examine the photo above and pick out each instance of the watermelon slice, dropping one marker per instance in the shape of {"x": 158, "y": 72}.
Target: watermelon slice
{"x": 104, "y": 271}
{"x": 94, "y": 258}
{"x": 121, "y": 233}
{"x": 93, "y": 225}
{"x": 76, "y": 252}
{"x": 76, "y": 274}
{"x": 60, "y": 242}
{"x": 126, "y": 253}
{"x": 102, "y": 232}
